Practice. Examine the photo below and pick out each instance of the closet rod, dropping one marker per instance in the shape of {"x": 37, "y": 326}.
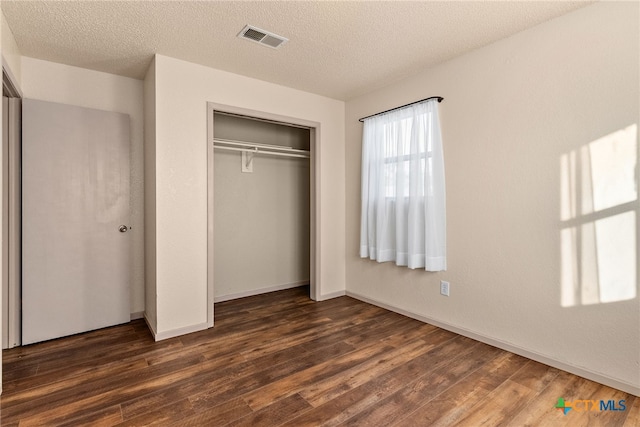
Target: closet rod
{"x": 260, "y": 146}
{"x": 259, "y": 151}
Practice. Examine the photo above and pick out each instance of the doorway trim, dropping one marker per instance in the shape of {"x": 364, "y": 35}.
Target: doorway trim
{"x": 12, "y": 207}
{"x": 314, "y": 194}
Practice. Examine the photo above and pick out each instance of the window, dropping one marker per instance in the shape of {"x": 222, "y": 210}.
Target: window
{"x": 403, "y": 192}
{"x": 398, "y": 157}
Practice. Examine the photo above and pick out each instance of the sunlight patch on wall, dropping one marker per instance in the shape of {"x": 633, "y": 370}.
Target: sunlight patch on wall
{"x": 599, "y": 214}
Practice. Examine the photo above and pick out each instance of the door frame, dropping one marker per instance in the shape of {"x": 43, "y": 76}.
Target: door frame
{"x": 11, "y": 326}
{"x": 314, "y": 194}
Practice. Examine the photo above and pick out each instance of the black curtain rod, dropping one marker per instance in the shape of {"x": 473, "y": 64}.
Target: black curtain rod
{"x": 439, "y": 98}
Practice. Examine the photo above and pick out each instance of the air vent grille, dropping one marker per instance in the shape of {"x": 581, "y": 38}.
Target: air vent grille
{"x": 254, "y": 35}
{"x": 262, "y": 37}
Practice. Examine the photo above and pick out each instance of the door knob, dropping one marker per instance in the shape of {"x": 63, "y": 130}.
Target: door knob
{"x": 123, "y": 228}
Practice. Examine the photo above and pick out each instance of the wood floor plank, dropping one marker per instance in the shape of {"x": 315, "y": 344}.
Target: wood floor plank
{"x": 102, "y": 418}
{"x": 294, "y": 383}
{"x": 219, "y": 415}
{"x": 58, "y": 346}
{"x": 330, "y": 333}
{"x": 450, "y": 406}
{"x": 213, "y": 388}
{"x": 356, "y": 400}
{"x": 19, "y": 374}
{"x": 274, "y": 414}
{"x": 227, "y": 349}
{"x": 31, "y": 399}
{"x": 502, "y": 404}
{"x": 282, "y": 359}
{"x": 170, "y": 414}
{"x": 272, "y": 302}
{"x": 314, "y": 338}
{"x": 633, "y": 416}
{"x": 322, "y": 391}
{"x": 542, "y": 411}
{"x": 216, "y": 394}
{"x": 262, "y": 332}
{"x": 535, "y": 376}
{"x": 260, "y": 329}
{"x": 464, "y": 357}
{"x": 88, "y": 368}
{"x": 94, "y": 394}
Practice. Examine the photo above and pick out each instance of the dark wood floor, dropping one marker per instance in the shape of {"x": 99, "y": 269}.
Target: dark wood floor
{"x": 281, "y": 359}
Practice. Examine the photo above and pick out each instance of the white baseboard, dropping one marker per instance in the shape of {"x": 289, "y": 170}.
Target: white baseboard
{"x": 159, "y": 336}
{"x": 260, "y": 291}
{"x": 576, "y": 370}
{"x": 180, "y": 331}
{"x": 332, "y": 295}
{"x": 150, "y": 326}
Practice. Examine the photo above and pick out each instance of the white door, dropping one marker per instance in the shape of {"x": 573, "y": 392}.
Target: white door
{"x": 75, "y": 207}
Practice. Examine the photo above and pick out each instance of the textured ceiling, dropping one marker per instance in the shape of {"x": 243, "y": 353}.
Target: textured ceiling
{"x": 339, "y": 49}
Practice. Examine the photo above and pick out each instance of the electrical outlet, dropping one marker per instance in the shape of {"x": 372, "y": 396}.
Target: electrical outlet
{"x": 444, "y": 288}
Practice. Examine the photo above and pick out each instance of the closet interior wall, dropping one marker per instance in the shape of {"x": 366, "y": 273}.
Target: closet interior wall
{"x": 261, "y": 219}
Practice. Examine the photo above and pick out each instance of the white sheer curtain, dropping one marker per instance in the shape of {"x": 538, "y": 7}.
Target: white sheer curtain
{"x": 403, "y": 189}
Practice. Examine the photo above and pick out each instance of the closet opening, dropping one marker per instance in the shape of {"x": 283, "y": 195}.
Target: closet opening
{"x": 262, "y": 204}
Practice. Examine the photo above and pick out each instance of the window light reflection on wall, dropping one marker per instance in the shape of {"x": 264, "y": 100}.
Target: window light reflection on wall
{"x": 599, "y": 214}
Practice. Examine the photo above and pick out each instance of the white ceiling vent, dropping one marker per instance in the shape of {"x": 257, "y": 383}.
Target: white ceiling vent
{"x": 263, "y": 37}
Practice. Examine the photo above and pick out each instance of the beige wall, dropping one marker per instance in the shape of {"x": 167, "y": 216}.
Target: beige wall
{"x": 182, "y": 92}
{"x": 48, "y": 81}
{"x": 261, "y": 219}
{"x": 10, "y": 52}
{"x": 511, "y": 111}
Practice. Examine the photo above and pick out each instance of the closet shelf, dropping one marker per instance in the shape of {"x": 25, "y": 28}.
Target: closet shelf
{"x": 257, "y": 148}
